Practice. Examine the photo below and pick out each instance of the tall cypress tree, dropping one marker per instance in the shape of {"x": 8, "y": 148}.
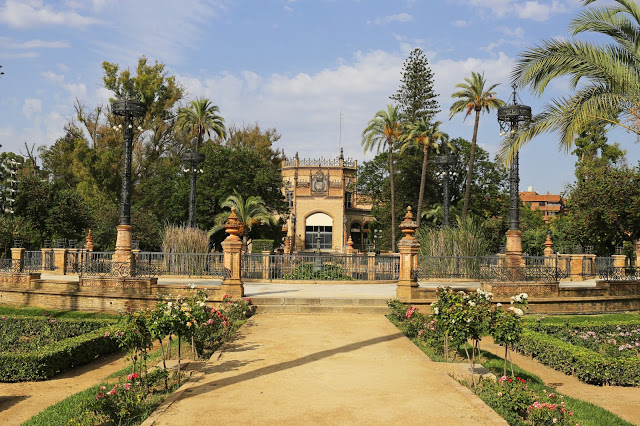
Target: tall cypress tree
{"x": 415, "y": 95}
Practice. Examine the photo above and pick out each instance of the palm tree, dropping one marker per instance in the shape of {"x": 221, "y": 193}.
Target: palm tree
{"x": 473, "y": 97}
{"x": 384, "y": 129}
{"x": 200, "y": 119}
{"x": 609, "y": 92}
{"x": 422, "y": 134}
{"x": 251, "y": 211}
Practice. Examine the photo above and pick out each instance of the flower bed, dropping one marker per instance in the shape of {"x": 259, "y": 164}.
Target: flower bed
{"x": 587, "y": 365}
{"x": 43, "y": 362}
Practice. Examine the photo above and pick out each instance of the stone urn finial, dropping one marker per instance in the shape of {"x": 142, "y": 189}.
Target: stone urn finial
{"x": 350, "y": 242}
{"x": 548, "y": 243}
{"x": 408, "y": 225}
{"x": 89, "y": 241}
{"x": 232, "y": 226}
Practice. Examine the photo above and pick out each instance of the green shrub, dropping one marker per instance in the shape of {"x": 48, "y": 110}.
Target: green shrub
{"x": 326, "y": 272}
{"x": 589, "y": 366}
{"x": 44, "y": 362}
{"x": 258, "y": 246}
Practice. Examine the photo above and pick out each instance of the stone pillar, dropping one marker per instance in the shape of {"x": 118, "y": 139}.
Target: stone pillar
{"x": 408, "y": 247}
{"x": 60, "y": 261}
{"x": 232, "y": 285}
{"x": 549, "y": 260}
{"x": 619, "y": 260}
{"x": 636, "y": 248}
{"x": 123, "y": 254}
{"x": 265, "y": 265}
{"x": 514, "y": 249}
{"x": 576, "y": 267}
{"x": 591, "y": 259}
{"x": 371, "y": 266}
{"x": 287, "y": 244}
{"x": 17, "y": 257}
{"x": 348, "y": 251}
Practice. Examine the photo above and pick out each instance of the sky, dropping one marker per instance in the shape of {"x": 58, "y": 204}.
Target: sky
{"x": 292, "y": 65}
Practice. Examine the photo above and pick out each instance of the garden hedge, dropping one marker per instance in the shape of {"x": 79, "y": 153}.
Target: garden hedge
{"x": 46, "y": 361}
{"x": 597, "y": 326}
{"x": 587, "y": 365}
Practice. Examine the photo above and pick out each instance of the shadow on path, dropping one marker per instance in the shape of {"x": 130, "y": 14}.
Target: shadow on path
{"x": 270, "y": 369}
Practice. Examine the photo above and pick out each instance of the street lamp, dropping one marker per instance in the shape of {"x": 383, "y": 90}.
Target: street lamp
{"x": 511, "y": 118}
{"x": 377, "y": 233}
{"x": 130, "y": 109}
{"x": 446, "y": 161}
{"x": 191, "y": 161}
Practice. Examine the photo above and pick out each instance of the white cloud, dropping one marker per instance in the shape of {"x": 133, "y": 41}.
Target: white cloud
{"x": 399, "y": 17}
{"x": 535, "y": 10}
{"x": 20, "y": 55}
{"x": 460, "y": 23}
{"x": 31, "y": 106}
{"x": 75, "y": 90}
{"x": 306, "y": 105}
{"x": 28, "y": 14}
{"x": 32, "y": 44}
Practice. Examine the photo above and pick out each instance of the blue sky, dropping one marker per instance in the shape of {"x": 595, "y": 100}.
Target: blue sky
{"x": 288, "y": 64}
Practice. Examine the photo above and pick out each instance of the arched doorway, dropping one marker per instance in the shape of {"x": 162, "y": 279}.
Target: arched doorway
{"x": 356, "y": 235}
{"x": 366, "y": 238}
{"x": 322, "y": 223}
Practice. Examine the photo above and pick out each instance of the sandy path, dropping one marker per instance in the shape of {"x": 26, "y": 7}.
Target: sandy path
{"x": 21, "y": 401}
{"x": 324, "y": 369}
{"x": 622, "y": 401}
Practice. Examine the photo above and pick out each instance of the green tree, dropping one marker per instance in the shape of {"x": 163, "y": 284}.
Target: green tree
{"x": 384, "y": 130}
{"x": 415, "y": 95}
{"x": 604, "y": 207}
{"x": 604, "y": 77}
{"x": 473, "y": 97}
{"x": 200, "y": 119}
{"x": 424, "y": 136}
{"x": 254, "y": 138}
{"x": 593, "y": 150}
{"x": 251, "y": 212}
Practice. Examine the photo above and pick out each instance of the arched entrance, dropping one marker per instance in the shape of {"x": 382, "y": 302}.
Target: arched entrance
{"x": 322, "y": 223}
{"x": 356, "y": 235}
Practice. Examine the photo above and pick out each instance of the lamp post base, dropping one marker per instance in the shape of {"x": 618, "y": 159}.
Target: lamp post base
{"x": 123, "y": 253}
{"x": 514, "y": 249}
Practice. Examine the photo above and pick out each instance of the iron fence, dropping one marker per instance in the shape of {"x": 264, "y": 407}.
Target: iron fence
{"x": 15, "y": 266}
{"x": 107, "y": 268}
{"x": 492, "y": 268}
{"x": 189, "y": 264}
{"x": 619, "y": 273}
{"x": 319, "y": 267}
{"x": 33, "y": 259}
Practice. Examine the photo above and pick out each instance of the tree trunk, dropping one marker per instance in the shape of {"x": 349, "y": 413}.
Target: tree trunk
{"x": 472, "y": 156}
{"x": 393, "y": 200}
{"x": 423, "y": 179}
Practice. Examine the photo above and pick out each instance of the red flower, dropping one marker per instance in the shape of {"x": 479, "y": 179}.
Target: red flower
{"x": 132, "y": 376}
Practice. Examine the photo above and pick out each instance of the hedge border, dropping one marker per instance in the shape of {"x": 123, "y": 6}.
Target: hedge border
{"x": 49, "y": 360}
{"x": 587, "y": 365}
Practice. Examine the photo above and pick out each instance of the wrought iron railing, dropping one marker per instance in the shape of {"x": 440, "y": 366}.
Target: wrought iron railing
{"x": 319, "y": 267}
{"x": 106, "y": 268}
{"x": 33, "y": 259}
{"x": 627, "y": 273}
{"x": 15, "y": 266}
{"x": 189, "y": 264}
{"x": 491, "y": 268}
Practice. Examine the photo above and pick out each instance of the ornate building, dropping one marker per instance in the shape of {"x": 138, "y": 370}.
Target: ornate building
{"x": 324, "y": 205}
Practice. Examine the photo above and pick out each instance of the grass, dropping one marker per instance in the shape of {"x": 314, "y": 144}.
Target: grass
{"x": 37, "y": 312}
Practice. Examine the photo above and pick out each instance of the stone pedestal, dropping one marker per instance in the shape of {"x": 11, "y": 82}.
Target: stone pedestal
{"x": 60, "y": 261}
{"x": 408, "y": 246}
{"x": 123, "y": 251}
{"x": 232, "y": 285}
{"x": 619, "y": 260}
{"x": 17, "y": 256}
{"x": 514, "y": 249}
{"x": 576, "y": 267}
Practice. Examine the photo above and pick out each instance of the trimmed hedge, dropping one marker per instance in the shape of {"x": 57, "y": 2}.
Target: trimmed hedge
{"x": 598, "y": 326}
{"x": 45, "y": 362}
{"x": 587, "y": 365}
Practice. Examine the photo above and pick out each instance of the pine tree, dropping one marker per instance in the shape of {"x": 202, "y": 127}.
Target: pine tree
{"x": 415, "y": 96}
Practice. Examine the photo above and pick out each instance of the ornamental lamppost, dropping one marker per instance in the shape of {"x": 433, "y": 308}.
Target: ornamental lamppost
{"x": 191, "y": 161}
{"x": 377, "y": 233}
{"x": 130, "y": 109}
{"x": 511, "y": 118}
{"x": 446, "y": 161}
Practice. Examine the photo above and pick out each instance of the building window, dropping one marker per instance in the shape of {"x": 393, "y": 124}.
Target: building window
{"x": 347, "y": 200}
{"x": 356, "y": 236}
{"x": 318, "y": 222}
{"x": 289, "y": 196}
{"x": 311, "y": 237}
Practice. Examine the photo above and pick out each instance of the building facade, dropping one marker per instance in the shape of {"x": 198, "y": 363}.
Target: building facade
{"x": 324, "y": 207}
{"x": 549, "y": 204}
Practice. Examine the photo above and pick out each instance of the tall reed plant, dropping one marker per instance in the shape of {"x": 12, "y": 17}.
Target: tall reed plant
{"x": 465, "y": 238}
{"x": 184, "y": 239}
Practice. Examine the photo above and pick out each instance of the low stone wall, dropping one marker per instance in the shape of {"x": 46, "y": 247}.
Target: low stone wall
{"x": 89, "y": 294}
